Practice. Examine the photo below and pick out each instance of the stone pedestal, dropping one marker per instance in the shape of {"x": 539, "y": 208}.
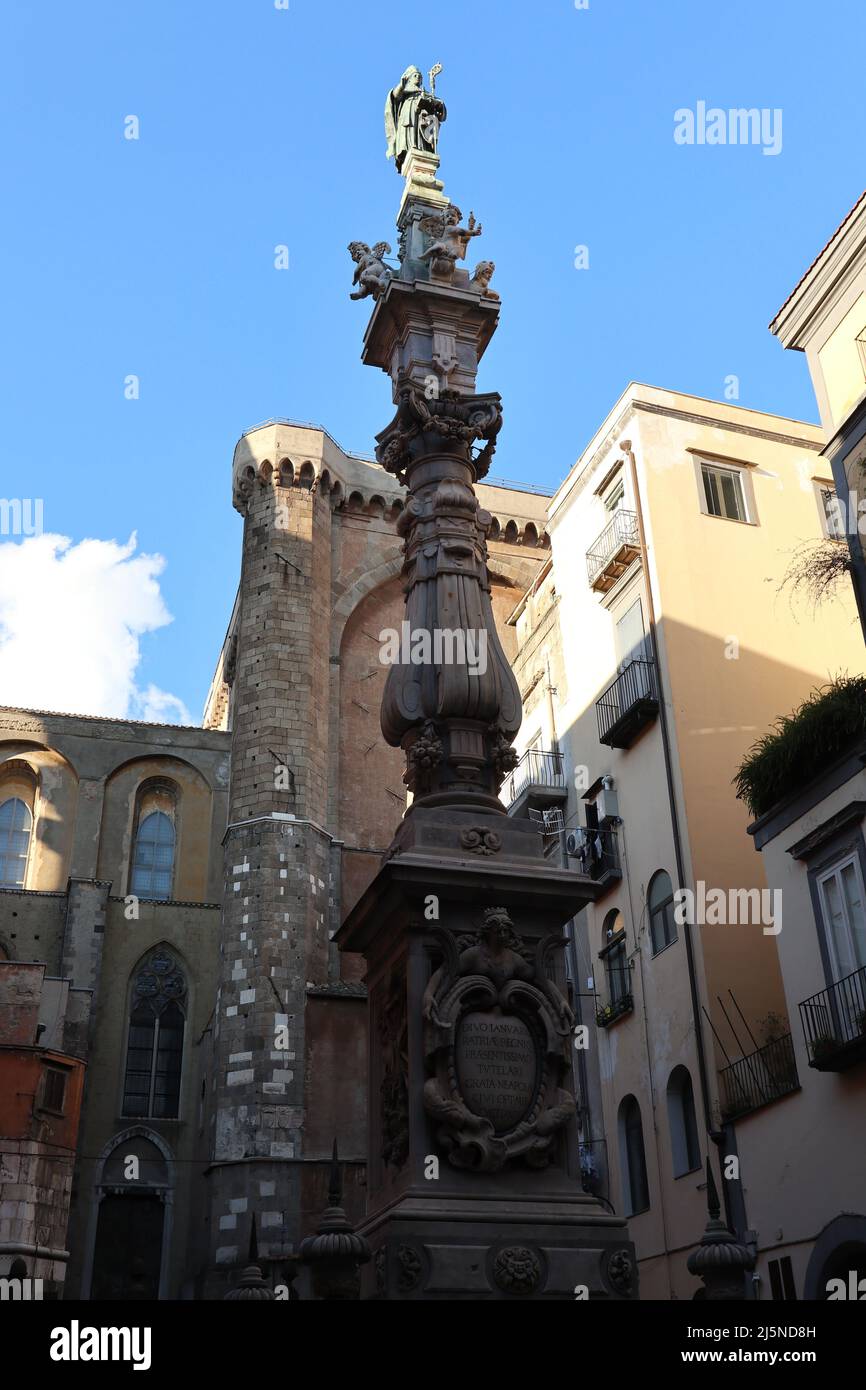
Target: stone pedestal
{"x": 419, "y": 170}
{"x": 474, "y": 1177}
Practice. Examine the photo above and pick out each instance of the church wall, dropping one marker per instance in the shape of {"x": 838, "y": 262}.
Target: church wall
{"x": 52, "y": 799}
{"x": 78, "y": 760}
{"x": 192, "y": 934}
{"x": 88, "y": 771}
{"x": 195, "y": 808}
{"x": 335, "y": 1108}
{"x": 371, "y": 791}
{"x": 31, "y": 926}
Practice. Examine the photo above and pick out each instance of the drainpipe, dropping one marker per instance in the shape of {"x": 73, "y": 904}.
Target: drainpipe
{"x": 625, "y": 446}
{"x": 551, "y": 711}
{"x": 577, "y": 1005}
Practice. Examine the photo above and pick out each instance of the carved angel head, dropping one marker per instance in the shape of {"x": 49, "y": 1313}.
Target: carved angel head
{"x": 498, "y": 926}
{"x": 357, "y": 249}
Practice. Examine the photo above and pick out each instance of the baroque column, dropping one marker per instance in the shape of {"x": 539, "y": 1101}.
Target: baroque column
{"x": 474, "y": 1177}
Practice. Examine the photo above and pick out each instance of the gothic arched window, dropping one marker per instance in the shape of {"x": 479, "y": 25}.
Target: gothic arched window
{"x": 154, "y": 1052}
{"x": 16, "y": 825}
{"x": 152, "y": 872}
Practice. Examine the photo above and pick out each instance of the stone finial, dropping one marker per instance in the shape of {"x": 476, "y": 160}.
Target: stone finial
{"x": 337, "y": 1252}
{"x": 251, "y": 1284}
{"x": 720, "y": 1260}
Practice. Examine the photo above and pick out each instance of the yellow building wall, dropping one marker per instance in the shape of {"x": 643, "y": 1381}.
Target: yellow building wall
{"x": 842, "y": 363}
{"x": 739, "y": 650}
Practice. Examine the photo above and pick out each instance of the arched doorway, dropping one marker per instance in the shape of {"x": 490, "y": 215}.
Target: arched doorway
{"x": 838, "y": 1253}
{"x": 132, "y": 1226}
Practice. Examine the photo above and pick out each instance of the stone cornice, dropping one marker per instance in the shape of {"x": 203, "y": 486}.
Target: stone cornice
{"x": 585, "y": 472}
{"x": 833, "y": 267}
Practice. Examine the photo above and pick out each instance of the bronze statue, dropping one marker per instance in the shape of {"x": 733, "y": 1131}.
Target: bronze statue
{"x": 412, "y": 117}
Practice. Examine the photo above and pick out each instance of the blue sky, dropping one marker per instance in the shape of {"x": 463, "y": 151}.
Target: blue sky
{"x": 261, "y": 126}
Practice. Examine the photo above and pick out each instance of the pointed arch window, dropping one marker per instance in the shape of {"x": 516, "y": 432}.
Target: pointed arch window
{"x": 154, "y": 1052}
{"x": 153, "y": 857}
{"x": 16, "y": 828}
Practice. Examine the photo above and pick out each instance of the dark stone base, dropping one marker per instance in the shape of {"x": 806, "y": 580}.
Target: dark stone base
{"x": 498, "y": 1250}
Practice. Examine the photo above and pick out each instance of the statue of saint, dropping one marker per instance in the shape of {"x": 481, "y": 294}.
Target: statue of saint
{"x": 412, "y": 118}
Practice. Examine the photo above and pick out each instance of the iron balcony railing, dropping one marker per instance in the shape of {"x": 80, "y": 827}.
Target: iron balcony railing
{"x": 619, "y": 1004}
{"x": 596, "y": 852}
{"x": 619, "y": 535}
{"x": 629, "y": 702}
{"x": 537, "y": 768}
{"x": 834, "y": 1023}
{"x": 763, "y": 1076}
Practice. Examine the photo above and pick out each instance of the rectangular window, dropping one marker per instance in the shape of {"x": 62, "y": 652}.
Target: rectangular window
{"x": 843, "y": 909}
{"x": 840, "y": 891}
{"x": 139, "y": 1063}
{"x": 54, "y": 1090}
{"x": 630, "y": 635}
{"x": 723, "y": 492}
{"x": 834, "y": 519}
{"x": 782, "y": 1280}
{"x": 616, "y": 965}
{"x": 615, "y": 497}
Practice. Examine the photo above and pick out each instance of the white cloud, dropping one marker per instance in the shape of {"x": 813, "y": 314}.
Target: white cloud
{"x": 158, "y": 707}
{"x": 70, "y": 621}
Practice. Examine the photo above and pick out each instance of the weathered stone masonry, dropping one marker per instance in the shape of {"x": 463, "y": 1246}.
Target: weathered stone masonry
{"x": 275, "y": 926}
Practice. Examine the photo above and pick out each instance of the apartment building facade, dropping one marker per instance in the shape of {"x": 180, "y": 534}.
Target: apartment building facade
{"x": 657, "y": 646}
{"x": 807, "y": 1194}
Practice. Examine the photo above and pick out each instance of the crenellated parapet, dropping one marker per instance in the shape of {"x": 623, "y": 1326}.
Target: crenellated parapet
{"x": 289, "y": 457}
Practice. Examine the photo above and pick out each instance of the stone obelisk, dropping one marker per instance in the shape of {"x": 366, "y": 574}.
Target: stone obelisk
{"x": 473, "y": 1176}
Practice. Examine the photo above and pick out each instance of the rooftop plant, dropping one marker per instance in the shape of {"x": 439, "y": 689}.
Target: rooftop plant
{"x": 803, "y": 744}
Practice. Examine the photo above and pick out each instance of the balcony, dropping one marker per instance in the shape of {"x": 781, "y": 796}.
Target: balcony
{"x": 758, "y": 1079}
{"x": 834, "y": 1023}
{"x": 606, "y": 1014}
{"x": 613, "y": 551}
{"x": 597, "y": 854}
{"x": 538, "y": 781}
{"x": 629, "y": 704}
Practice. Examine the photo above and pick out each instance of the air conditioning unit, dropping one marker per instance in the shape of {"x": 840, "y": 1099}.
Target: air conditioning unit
{"x": 575, "y": 842}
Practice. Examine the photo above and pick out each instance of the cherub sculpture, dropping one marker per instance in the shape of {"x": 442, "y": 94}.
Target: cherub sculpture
{"x": 450, "y": 239}
{"x": 482, "y": 277}
{"x": 493, "y": 953}
{"x": 371, "y": 274}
